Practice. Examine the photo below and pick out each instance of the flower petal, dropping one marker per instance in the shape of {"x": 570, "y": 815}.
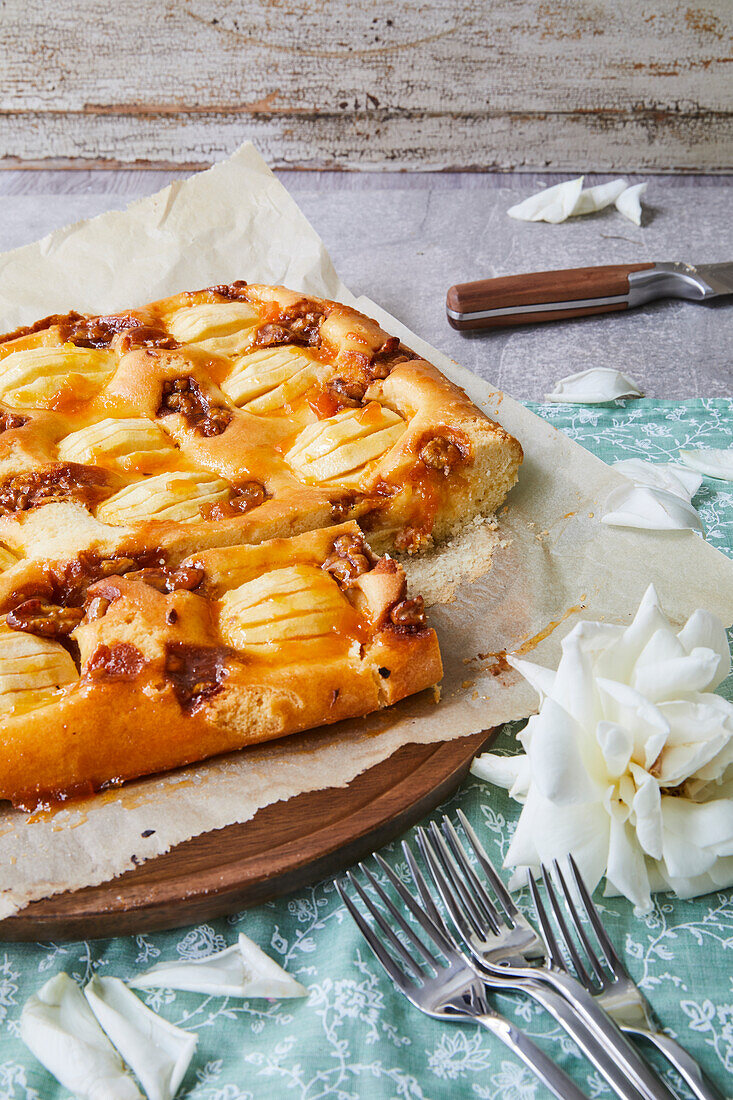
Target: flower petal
{"x": 629, "y": 202}
{"x": 616, "y": 744}
{"x": 58, "y": 1026}
{"x": 556, "y": 755}
{"x": 541, "y": 679}
{"x": 660, "y": 475}
{"x": 698, "y": 734}
{"x": 243, "y": 970}
{"x": 647, "y": 812}
{"x": 645, "y": 722}
{"x": 545, "y": 832}
{"x": 675, "y": 678}
{"x": 705, "y": 630}
{"x": 650, "y": 510}
{"x": 592, "y": 199}
{"x": 626, "y": 866}
{"x": 512, "y": 773}
{"x": 157, "y": 1052}
{"x": 712, "y": 462}
{"x": 705, "y": 825}
{"x": 553, "y": 204}
{"x": 596, "y": 386}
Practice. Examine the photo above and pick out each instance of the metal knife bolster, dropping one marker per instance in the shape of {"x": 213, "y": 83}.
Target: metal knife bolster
{"x": 673, "y": 280}
{"x": 558, "y": 295}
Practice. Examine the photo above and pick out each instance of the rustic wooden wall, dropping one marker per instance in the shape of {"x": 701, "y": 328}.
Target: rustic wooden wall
{"x": 432, "y": 84}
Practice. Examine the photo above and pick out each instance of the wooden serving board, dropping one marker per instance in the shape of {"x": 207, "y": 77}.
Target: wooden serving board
{"x": 283, "y": 847}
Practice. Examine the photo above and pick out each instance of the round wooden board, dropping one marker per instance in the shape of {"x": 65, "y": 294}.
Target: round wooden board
{"x": 285, "y": 846}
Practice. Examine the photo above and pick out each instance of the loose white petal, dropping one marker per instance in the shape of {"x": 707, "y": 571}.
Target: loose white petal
{"x": 650, "y": 510}
{"x": 554, "y": 204}
{"x": 661, "y": 475}
{"x": 58, "y": 1026}
{"x": 243, "y": 970}
{"x": 711, "y": 462}
{"x": 509, "y": 772}
{"x": 596, "y": 198}
{"x": 629, "y": 202}
{"x": 157, "y": 1052}
{"x": 596, "y": 386}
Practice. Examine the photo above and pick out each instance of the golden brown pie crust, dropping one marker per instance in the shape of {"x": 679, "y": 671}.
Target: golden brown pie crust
{"x": 181, "y": 573}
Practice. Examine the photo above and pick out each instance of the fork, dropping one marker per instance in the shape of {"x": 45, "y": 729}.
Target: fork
{"x": 499, "y": 939}
{"x": 454, "y": 991}
{"x": 611, "y": 985}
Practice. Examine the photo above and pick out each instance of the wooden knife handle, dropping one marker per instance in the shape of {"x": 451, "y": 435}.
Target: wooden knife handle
{"x": 518, "y": 299}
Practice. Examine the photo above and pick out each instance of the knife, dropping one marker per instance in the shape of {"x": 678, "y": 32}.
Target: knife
{"x": 576, "y": 292}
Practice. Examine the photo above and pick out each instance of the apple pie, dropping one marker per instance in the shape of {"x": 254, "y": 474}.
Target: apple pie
{"x": 186, "y": 491}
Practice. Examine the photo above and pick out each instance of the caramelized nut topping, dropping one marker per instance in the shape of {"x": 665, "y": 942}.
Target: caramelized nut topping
{"x": 440, "y": 454}
{"x": 196, "y": 672}
{"x": 119, "y": 662}
{"x": 36, "y": 616}
{"x": 184, "y": 396}
{"x": 232, "y": 291}
{"x": 97, "y": 608}
{"x": 186, "y": 577}
{"x": 67, "y": 583}
{"x": 340, "y": 508}
{"x": 97, "y": 332}
{"x": 63, "y": 320}
{"x": 9, "y": 420}
{"x": 300, "y": 325}
{"x": 345, "y": 393}
{"x": 409, "y": 614}
{"x": 387, "y": 357}
{"x": 147, "y": 337}
{"x": 244, "y": 497}
{"x": 349, "y": 559}
{"x": 70, "y": 481}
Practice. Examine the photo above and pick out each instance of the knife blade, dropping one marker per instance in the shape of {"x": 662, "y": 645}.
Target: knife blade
{"x": 577, "y": 292}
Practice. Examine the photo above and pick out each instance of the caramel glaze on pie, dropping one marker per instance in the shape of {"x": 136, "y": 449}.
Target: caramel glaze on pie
{"x": 180, "y": 570}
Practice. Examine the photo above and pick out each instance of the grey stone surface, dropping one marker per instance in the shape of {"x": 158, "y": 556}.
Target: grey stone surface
{"x": 404, "y": 239}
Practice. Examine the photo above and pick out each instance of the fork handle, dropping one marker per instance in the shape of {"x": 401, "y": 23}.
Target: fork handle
{"x": 556, "y": 1079}
{"x": 595, "y": 1051}
{"x": 627, "y": 1058}
{"x": 689, "y": 1070}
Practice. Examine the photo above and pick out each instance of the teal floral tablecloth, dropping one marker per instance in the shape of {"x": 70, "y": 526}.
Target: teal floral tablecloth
{"x": 354, "y": 1038}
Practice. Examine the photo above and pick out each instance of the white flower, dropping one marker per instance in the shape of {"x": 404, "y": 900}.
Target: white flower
{"x": 628, "y": 764}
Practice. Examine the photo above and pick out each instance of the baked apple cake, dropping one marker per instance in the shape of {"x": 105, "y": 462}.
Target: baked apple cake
{"x": 185, "y": 491}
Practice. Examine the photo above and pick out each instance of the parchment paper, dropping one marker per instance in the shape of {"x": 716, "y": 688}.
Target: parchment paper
{"x": 553, "y": 563}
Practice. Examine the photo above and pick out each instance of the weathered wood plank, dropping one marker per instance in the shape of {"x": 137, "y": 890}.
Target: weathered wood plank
{"x": 430, "y": 83}
{"x": 604, "y": 142}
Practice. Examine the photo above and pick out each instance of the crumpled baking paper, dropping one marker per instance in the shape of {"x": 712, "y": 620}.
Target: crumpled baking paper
{"x": 553, "y": 561}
